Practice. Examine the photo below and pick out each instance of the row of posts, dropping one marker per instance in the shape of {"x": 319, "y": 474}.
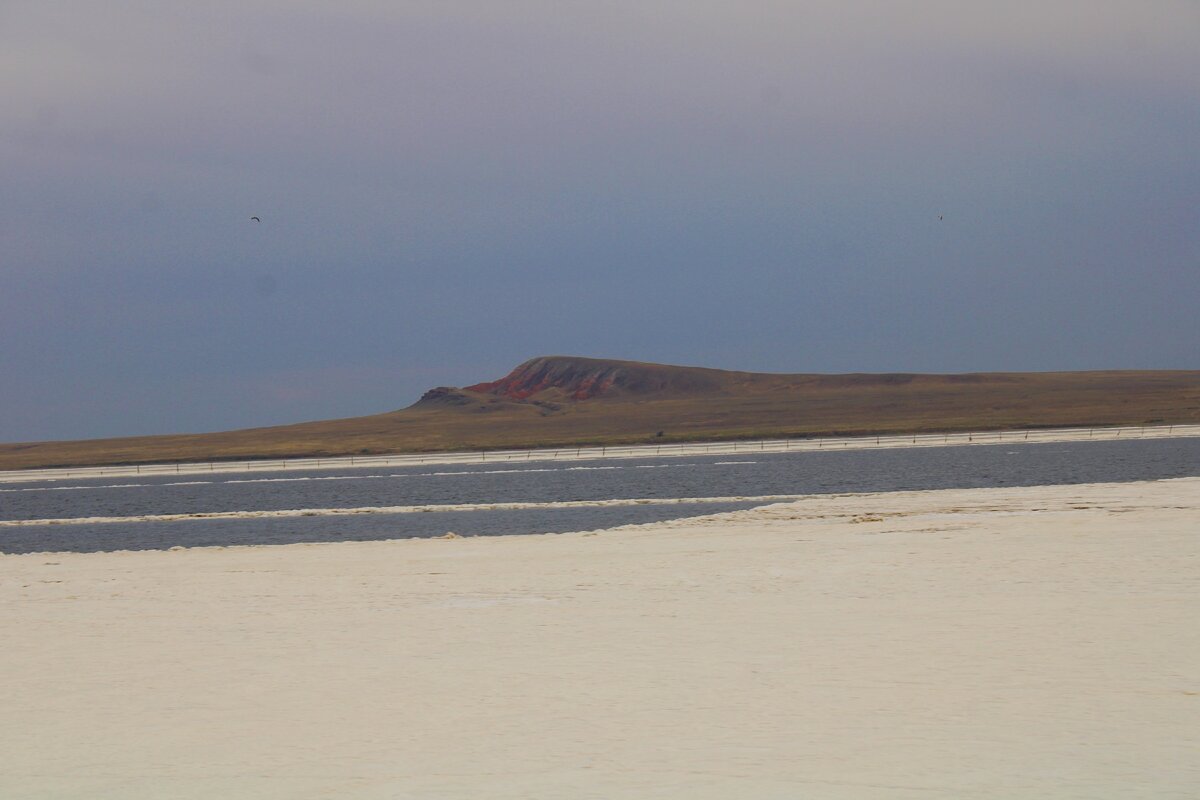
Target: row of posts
{"x": 604, "y": 451}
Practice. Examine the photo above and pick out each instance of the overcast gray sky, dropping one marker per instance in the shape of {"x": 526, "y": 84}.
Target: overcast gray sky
{"x": 448, "y": 188}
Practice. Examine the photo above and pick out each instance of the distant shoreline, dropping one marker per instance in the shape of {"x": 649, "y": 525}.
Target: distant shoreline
{"x": 570, "y": 402}
{"x": 666, "y": 450}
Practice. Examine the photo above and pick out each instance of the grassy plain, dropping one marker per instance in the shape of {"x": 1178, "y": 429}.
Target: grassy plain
{"x": 646, "y": 403}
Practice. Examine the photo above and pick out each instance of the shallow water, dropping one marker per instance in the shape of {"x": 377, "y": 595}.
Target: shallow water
{"x": 721, "y": 477}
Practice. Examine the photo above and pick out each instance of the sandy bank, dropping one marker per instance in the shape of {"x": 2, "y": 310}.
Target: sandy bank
{"x": 991, "y": 643}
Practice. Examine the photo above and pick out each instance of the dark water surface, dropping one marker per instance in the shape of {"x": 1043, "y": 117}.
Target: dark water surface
{"x": 154, "y": 535}
{"x": 745, "y": 474}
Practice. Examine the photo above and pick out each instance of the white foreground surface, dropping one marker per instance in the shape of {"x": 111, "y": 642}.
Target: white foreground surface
{"x": 997, "y": 643}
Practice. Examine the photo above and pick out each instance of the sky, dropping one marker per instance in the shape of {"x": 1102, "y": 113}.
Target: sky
{"x": 449, "y": 188}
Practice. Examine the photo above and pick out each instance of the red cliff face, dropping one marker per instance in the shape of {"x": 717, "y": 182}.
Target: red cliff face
{"x": 585, "y": 378}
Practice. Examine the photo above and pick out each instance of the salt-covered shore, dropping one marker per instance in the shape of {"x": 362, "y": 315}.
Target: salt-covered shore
{"x": 666, "y": 450}
{"x": 982, "y": 643}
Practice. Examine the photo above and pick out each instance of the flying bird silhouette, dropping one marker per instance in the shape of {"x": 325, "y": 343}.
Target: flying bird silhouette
{"x": 256, "y": 219}
{"x": 939, "y": 217}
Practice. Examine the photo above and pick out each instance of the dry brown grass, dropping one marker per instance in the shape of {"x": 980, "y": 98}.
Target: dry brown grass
{"x": 737, "y": 405}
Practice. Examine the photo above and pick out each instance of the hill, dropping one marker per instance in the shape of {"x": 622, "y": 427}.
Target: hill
{"x": 560, "y": 400}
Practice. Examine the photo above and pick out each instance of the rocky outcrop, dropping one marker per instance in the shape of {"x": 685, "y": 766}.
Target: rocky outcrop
{"x": 572, "y": 378}
{"x": 444, "y": 396}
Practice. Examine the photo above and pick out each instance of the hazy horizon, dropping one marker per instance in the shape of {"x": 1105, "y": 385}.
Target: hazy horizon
{"x": 448, "y": 189}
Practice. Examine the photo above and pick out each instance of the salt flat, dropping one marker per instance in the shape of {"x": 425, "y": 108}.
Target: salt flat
{"x": 982, "y": 643}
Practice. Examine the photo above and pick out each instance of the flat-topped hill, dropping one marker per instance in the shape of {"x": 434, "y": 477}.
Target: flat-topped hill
{"x": 564, "y": 400}
{"x": 564, "y": 377}
{"x": 574, "y": 378}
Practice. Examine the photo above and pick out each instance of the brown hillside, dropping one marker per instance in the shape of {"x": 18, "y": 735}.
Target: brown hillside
{"x": 558, "y": 400}
{"x": 562, "y": 377}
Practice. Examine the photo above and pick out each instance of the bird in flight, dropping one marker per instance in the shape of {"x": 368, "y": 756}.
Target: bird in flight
{"x": 256, "y": 219}
{"x": 939, "y": 217}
